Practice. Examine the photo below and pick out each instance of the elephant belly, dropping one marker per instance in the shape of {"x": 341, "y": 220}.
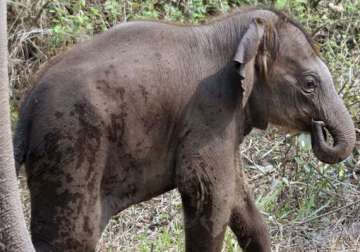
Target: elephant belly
{"x": 140, "y": 158}
{"x": 130, "y": 178}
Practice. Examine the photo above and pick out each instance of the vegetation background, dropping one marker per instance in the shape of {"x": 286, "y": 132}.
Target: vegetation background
{"x": 308, "y": 205}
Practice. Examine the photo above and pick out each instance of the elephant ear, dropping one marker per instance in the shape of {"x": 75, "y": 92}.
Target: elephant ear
{"x": 245, "y": 55}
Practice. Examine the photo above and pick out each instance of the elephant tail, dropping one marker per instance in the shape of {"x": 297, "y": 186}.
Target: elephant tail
{"x": 20, "y": 140}
{"x": 20, "y": 144}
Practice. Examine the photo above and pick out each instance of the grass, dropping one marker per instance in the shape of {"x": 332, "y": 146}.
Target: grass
{"x": 308, "y": 205}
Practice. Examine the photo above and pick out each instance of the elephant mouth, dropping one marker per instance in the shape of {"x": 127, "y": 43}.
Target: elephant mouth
{"x": 324, "y": 131}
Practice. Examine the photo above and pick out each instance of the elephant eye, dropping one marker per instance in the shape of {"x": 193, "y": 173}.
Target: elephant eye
{"x": 310, "y": 84}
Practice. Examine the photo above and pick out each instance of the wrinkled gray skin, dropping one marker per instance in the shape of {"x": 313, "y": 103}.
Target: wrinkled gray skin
{"x": 147, "y": 107}
{"x": 13, "y": 233}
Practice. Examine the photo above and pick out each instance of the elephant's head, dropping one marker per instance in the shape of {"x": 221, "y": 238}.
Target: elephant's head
{"x": 286, "y": 83}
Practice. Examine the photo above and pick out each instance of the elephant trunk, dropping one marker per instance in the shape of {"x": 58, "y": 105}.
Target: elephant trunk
{"x": 341, "y": 127}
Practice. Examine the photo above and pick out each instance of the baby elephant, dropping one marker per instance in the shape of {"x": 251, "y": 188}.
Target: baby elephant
{"x": 148, "y": 107}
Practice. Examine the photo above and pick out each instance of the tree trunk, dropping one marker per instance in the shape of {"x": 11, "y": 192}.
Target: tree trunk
{"x": 13, "y": 232}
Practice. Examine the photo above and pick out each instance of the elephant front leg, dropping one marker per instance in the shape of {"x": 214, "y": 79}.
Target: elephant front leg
{"x": 206, "y": 190}
{"x": 250, "y": 230}
{"x": 246, "y": 221}
{"x": 205, "y": 222}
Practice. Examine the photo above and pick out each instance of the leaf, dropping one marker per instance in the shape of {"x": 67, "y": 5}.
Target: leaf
{"x": 305, "y": 141}
{"x": 280, "y": 4}
{"x": 285, "y": 181}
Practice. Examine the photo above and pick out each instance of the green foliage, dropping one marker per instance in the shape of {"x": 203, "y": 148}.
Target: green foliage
{"x": 280, "y": 4}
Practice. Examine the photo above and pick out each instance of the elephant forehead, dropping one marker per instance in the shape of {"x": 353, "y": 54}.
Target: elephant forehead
{"x": 321, "y": 68}
{"x": 294, "y": 43}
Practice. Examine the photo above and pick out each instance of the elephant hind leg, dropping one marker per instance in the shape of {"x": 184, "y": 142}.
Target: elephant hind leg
{"x": 66, "y": 217}
{"x": 247, "y": 224}
{"x": 66, "y": 205}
